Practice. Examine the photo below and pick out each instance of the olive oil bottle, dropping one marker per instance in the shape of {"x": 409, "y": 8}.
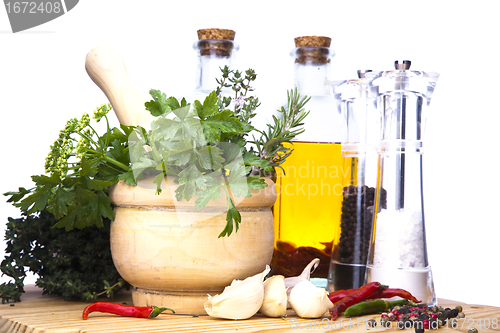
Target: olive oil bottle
{"x": 307, "y": 210}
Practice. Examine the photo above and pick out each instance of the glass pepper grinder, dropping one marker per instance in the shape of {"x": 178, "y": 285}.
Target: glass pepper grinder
{"x": 357, "y": 100}
{"x": 215, "y": 49}
{"x": 398, "y": 252}
{"x": 307, "y": 210}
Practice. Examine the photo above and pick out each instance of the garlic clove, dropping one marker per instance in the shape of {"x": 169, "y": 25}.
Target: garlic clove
{"x": 290, "y": 282}
{"x": 309, "y": 301}
{"x": 241, "y": 300}
{"x": 275, "y": 297}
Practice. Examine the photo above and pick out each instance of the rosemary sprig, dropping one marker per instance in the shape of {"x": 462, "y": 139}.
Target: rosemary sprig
{"x": 270, "y": 145}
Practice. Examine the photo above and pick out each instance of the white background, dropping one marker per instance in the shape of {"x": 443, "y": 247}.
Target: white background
{"x": 43, "y": 83}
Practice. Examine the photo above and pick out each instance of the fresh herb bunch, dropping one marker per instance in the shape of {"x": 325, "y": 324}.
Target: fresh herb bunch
{"x": 203, "y": 146}
{"x": 81, "y": 166}
{"x": 75, "y": 264}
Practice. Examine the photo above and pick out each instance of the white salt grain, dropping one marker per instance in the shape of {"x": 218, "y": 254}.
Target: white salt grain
{"x": 399, "y": 240}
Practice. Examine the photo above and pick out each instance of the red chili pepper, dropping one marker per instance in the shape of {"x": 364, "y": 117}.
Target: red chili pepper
{"x": 355, "y": 297}
{"x": 337, "y": 295}
{"x": 394, "y": 292}
{"x": 124, "y": 310}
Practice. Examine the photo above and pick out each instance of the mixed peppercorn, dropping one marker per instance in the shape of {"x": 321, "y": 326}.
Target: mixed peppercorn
{"x": 420, "y": 317}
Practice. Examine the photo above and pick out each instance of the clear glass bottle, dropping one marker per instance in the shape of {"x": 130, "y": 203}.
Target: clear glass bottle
{"x": 357, "y": 100}
{"x": 307, "y": 210}
{"x": 398, "y": 252}
{"x": 215, "y": 49}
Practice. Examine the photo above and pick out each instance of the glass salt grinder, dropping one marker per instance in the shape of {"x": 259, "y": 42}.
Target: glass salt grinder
{"x": 307, "y": 210}
{"x": 357, "y": 101}
{"x": 215, "y": 49}
{"x": 398, "y": 252}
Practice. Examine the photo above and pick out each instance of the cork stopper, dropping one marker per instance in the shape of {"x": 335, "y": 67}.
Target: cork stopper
{"x": 312, "y": 49}
{"x": 215, "y": 42}
{"x": 216, "y": 34}
{"x": 313, "y": 41}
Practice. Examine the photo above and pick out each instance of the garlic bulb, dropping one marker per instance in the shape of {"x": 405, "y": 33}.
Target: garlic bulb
{"x": 275, "y": 297}
{"x": 309, "y": 301}
{"x": 240, "y": 300}
{"x": 290, "y": 282}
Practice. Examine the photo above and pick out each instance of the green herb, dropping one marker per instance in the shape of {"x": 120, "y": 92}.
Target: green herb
{"x": 203, "y": 145}
{"x": 198, "y": 146}
{"x": 76, "y": 264}
{"x": 270, "y": 145}
{"x": 81, "y": 166}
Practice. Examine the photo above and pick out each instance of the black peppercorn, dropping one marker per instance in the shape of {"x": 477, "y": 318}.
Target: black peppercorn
{"x": 419, "y": 329}
{"x": 356, "y": 223}
{"x": 453, "y": 323}
{"x": 424, "y": 316}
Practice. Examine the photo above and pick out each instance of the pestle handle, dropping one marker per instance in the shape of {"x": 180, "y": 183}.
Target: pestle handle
{"x": 106, "y": 68}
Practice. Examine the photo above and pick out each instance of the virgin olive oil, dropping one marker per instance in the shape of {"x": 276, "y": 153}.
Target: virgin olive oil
{"x": 307, "y": 210}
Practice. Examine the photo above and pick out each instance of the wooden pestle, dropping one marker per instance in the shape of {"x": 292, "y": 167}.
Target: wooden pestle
{"x": 106, "y": 68}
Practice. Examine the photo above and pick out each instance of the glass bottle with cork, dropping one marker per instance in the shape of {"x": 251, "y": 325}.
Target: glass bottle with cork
{"x": 307, "y": 210}
{"x": 215, "y": 49}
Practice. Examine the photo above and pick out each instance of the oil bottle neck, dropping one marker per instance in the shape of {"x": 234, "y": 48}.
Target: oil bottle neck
{"x": 313, "y": 79}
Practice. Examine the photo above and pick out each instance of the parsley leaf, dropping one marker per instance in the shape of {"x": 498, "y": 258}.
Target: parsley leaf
{"x": 191, "y": 180}
{"x": 209, "y": 107}
{"x": 159, "y": 105}
{"x": 232, "y": 215}
{"x": 211, "y": 191}
{"x": 61, "y": 198}
{"x": 222, "y": 122}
